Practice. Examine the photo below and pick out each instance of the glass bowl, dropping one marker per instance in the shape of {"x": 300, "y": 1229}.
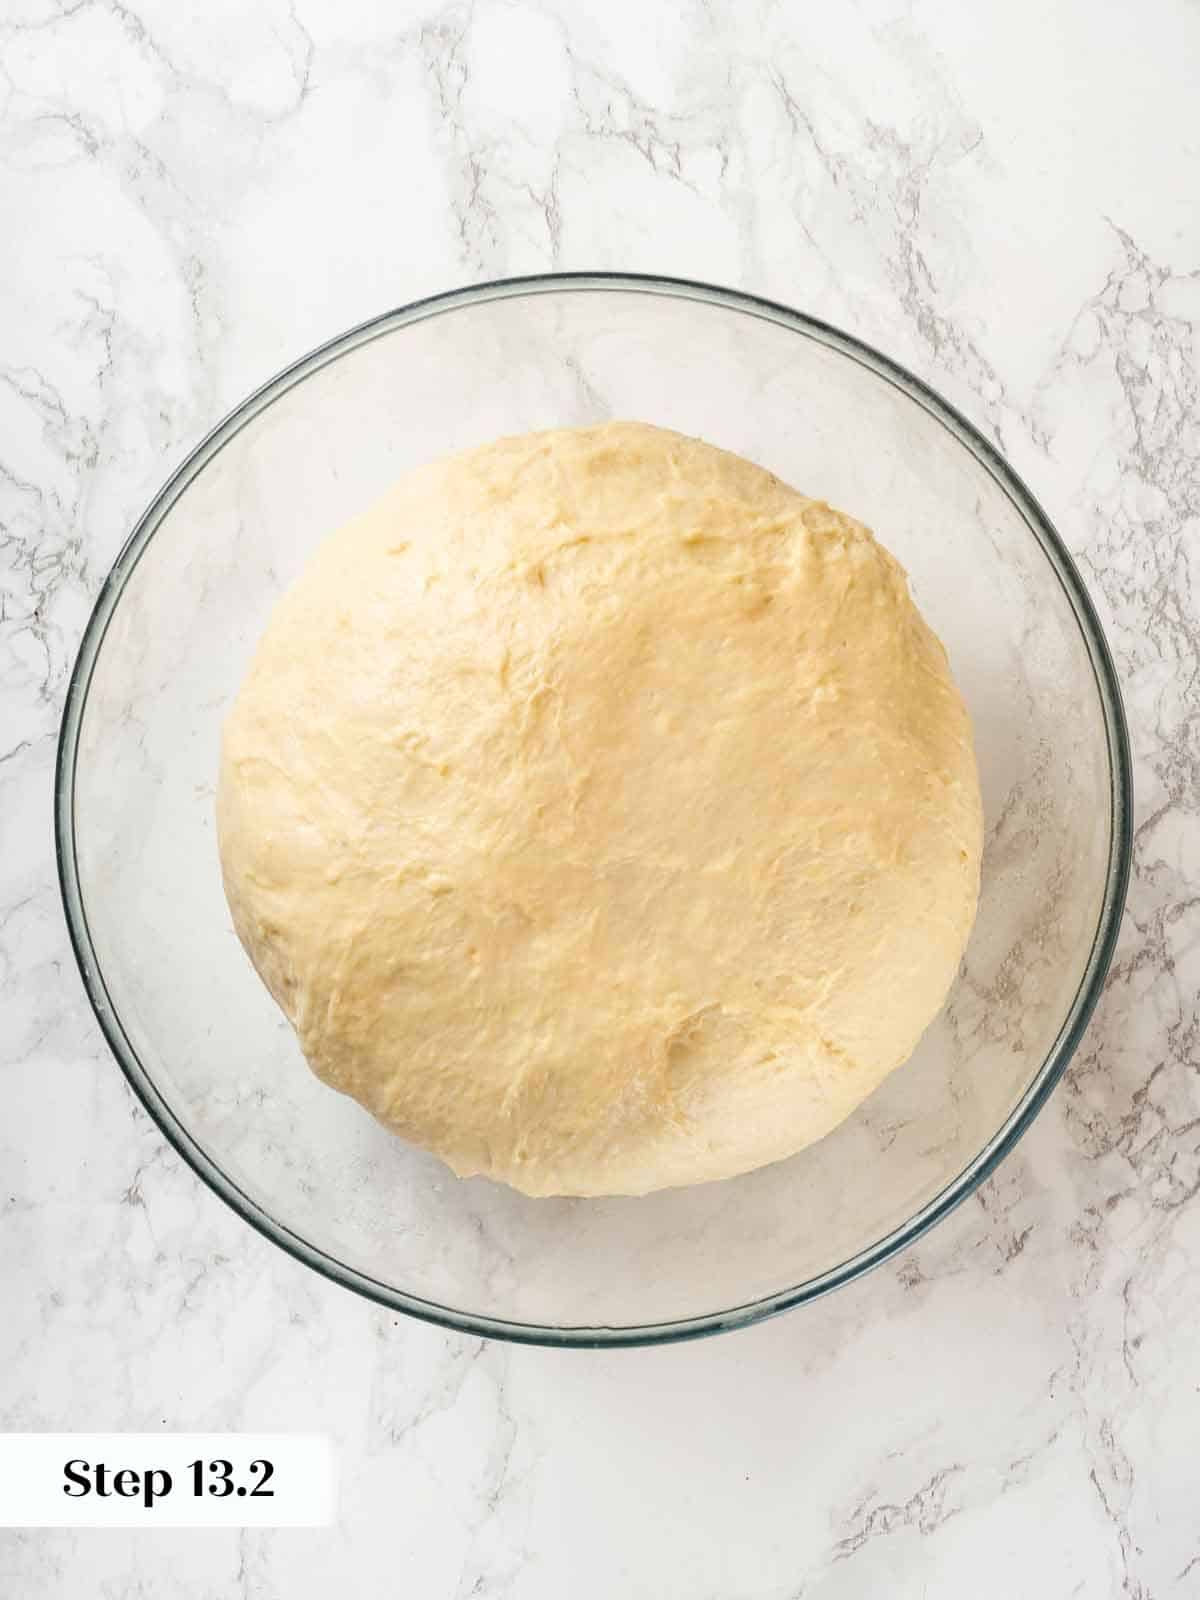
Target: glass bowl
{"x": 202, "y": 1043}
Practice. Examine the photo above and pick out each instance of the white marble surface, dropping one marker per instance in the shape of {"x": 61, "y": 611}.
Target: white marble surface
{"x": 1001, "y": 196}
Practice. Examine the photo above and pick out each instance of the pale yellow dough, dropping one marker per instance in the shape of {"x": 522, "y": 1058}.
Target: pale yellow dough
{"x": 602, "y": 813}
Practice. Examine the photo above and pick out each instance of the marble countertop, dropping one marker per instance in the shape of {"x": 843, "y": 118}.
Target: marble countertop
{"x": 1003, "y": 197}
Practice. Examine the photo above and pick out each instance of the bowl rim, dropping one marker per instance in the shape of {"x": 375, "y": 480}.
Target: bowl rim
{"x": 1018, "y": 1119}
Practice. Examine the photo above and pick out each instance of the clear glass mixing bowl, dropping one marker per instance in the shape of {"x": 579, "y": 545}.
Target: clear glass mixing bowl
{"x": 196, "y": 1033}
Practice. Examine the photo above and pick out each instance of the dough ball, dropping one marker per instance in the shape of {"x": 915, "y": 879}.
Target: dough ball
{"x": 602, "y": 813}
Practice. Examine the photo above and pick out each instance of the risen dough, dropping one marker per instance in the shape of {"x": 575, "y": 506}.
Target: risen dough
{"x": 601, "y": 812}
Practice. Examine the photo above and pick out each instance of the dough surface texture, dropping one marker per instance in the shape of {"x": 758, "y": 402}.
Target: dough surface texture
{"x": 601, "y": 812}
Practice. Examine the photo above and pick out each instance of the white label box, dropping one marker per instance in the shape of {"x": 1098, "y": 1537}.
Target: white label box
{"x": 167, "y": 1480}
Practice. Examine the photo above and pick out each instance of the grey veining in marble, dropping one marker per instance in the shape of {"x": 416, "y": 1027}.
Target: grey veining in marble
{"x": 1001, "y": 197}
